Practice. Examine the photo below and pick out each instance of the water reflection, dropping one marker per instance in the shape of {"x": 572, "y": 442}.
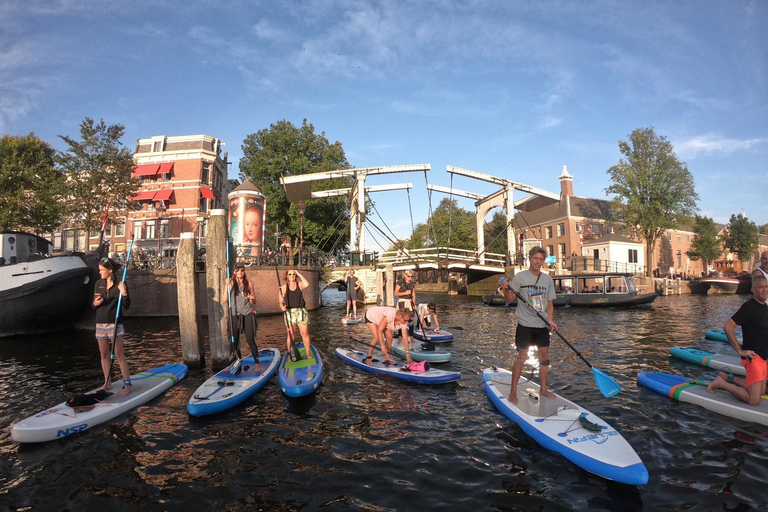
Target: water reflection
{"x": 369, "y": 441}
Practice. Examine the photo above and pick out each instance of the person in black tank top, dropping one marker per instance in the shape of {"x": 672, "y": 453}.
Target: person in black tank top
{"x": 292, "y": 302}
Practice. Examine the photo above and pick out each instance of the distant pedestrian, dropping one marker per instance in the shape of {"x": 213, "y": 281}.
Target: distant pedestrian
{"x": 353, "y": 284}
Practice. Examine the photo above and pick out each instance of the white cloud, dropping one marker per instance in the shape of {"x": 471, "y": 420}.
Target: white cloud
{"x": 713, "y": 144}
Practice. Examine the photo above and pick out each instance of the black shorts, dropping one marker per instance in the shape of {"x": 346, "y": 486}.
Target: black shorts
{"x": 526, "y": 337}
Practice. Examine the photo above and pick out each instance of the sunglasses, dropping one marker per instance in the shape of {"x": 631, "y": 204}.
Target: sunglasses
{"x": 291, "y": 273}
{"x": 240, "y": 269}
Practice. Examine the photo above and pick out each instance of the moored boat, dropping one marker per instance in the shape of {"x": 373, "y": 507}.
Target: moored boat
{"x": 494, "y": 299}
{"x": 39, "y": 292}
{"x": 724, "y": 285}
{"x": 598, "y": 290}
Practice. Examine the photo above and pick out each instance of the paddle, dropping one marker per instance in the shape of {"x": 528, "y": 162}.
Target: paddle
{"x": 293, "y": 350}
{"x": 419, "y": 326}
{"x": 117, "y": 314}
{"x": 453, "y": 328}
{"x": 607, "y": 386}
{"x": 234, "y": 368}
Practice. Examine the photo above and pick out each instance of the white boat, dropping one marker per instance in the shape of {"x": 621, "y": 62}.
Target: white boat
{"x": 39, "y": 292}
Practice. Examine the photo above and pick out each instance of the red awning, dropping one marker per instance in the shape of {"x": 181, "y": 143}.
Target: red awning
{"x": 166, "y": 167}
{"x": 206, "y": 193}
{"x": 163, "y": 195}
{"x": 146, "y": 170}
{"x": 144, "y": 195}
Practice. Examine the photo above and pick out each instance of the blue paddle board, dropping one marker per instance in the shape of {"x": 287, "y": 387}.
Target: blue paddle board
{"x": 433, "y": 335}
{"x": 709, "y": 359}
{"x": 302, "y": 377}
{"x": 431, "y": 376}
{"x": 720, "y": 336}
{"x": 419, "y": 353}
{"x": 560, "y": 425}
{"x": 225, "y": 390}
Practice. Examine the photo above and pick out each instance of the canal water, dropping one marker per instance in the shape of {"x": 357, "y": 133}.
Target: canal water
{"x": 368, "y": 442}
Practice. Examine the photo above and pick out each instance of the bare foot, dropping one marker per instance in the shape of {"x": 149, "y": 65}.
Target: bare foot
{"x": 257, "y": 367}
{"x": 369, "y": 361}
{"x": 390, "y": 360}
{"x": 512, "y": 396}
{"x": 105, "y": 386}
{"x": 544, "y": 392}
{"x": 716, "y": 384}
{"x": 126, "y": 390}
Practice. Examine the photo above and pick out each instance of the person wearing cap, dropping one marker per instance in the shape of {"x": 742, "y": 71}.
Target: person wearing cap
{"x": 243, "y": 298}
{"x": 106, "y": 293}
{"x": 405, "y": 291}
{"x": 537, "y": 289}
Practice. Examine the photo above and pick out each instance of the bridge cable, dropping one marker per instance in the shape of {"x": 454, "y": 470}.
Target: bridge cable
{"x": 450, "y": 218}
{"x": 410, "y": 210}
{"x": 430, "y": 220}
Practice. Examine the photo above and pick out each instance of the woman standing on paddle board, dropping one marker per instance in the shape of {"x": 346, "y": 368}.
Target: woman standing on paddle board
{"x": 405, "y": 291}
{"x": 382, "y": 321}
{"x": 106, "y": 293}
{"x": 538, "y": 290}
{"x": 242, "y": 308}
{"x": 292, "y": 301}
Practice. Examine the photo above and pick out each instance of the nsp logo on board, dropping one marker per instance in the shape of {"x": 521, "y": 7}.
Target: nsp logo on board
{"x": 72, "y": 430}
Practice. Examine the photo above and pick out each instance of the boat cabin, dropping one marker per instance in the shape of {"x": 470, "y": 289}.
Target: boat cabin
{"x": 19, "y": 247}
{"x": 609, "y": 284}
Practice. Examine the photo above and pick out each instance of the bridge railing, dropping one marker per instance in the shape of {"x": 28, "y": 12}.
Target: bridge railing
{"x": 433, "y": 254}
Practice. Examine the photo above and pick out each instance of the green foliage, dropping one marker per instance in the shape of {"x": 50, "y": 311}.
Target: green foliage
{"x": 98, "y": 170}
{"x": 286, "y": 150}
{"x": 434, "y": 233}
{"x": 705, "y": 243}
{"x": 31, "y": 187}
{"x": 653, "y": 190}
{"x": 741, "y": 237}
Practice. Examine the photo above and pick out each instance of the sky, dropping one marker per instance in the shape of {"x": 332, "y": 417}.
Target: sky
{"x": 515, "y": 89}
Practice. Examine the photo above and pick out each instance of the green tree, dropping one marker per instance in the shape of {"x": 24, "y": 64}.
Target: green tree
{"x": 286, "y": 150}
{"x": 705, "y": 244}
{"x": 31, "y": 187}
{"x": 98, "y": 170}
{"x": 742, "y": 237}
{"x": 652, "y": 189}
{"x": 434, "y": 232}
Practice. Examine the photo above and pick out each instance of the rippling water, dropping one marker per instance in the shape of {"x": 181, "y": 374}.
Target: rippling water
{"x": 367, "y": 442}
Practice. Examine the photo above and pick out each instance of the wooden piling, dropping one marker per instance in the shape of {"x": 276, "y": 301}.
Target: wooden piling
{"x": 390, "y": 292}
{"x": 188, "y": 292}
{"x": 379, "y": 288}
{"x": 216, "y": 289}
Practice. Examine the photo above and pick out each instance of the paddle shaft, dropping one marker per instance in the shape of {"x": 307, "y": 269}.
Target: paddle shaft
{"x": 119, "y": 303}
{"x": 520, "y": 298}
{"x": 418, "y": 321}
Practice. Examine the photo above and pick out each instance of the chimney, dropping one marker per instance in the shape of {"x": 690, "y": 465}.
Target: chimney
{"x": 566, "y": 183}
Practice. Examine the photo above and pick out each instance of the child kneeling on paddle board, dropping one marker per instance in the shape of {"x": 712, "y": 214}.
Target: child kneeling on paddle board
{"x": 382, "y": 321}
{"x": 428, "y": 316}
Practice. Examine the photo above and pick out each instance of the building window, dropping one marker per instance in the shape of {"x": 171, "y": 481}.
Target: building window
{"x": 679, "y": 237}
{"x": 549, "y": 232}
{"x": 120, "y": 227}
{"x": 578, "y": 226}
{"x": 679, "y": 258}
{"x": 205, "y": 177}
{"x": 150, "y": 230}
{"x": 561, "y": 229}
{"x": 157, "y": 146}
{"x": 165, "y": 228}
{"x": 596, "y": 228}
{"x": 203, "y": 205}
{"x": 57, "y": 241}
{"x": 550, "y": 250}
{"x": 609, "y": 229}
{"x": 669, "y": 236}
{"x": 688, "y": 238}
{"x": 137, "y": 230}
{"x": 202, "y": 229}
{"x": 633, "y": 256}
{"x": 562, "y": 251}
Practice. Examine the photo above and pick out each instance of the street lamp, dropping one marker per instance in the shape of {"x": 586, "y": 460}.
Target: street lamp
{"x": 300, "y": 206}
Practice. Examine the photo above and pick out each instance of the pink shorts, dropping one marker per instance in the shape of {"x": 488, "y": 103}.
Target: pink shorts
{"x": 757, "y": 369}
{"x": 104, "y": 331}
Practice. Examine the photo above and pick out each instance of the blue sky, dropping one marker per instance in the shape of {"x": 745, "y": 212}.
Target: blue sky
{"x": 510, "y": 88}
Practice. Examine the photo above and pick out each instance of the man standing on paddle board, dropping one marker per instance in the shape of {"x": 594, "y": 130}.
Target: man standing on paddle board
{"x": 538, "y": 289}
{"x": 752, "y": 316}
{"x": 762, "y": 270}
{"x": 353, "y": 284}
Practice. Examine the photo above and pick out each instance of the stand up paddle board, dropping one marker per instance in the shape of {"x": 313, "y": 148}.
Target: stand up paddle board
{"x": 225, "y": 390}
{"x": 560, "y": 425}
{"x": 61, "y": 420}
{"x": 434, "y": 335}
{"x": 695, "y": 392}
{"x": 720, "y": 336}
{"x": 419, "y": 353}
{"x": 302, "y": 377}
{"x": 710, "y": 359}
{"x": 351, "y": 321}
{"x": 431, "y": 376}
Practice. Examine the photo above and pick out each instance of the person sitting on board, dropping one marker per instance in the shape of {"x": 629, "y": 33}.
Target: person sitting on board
{"x": 106, "y": 293}
{"x": 292, "y": 301}
{"x": 243, "y": 299}
{"x": 353, "y": 284}
{"x": 538, "y": 290}
{"x": 428, "y": 317}
{"x": 382, "y": 321}
{"x": 762, "y": 270}
{"x": 752, "y": 316}
{"x": 405, "y": 291}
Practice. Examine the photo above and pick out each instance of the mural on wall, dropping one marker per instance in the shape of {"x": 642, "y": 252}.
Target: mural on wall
{"x": 247, "y": 219}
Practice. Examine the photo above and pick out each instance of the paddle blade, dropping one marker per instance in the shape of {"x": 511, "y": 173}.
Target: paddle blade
{"x": 607, "y": 386}
{"x": 295, "y": 355}
{"x": 234, "y": 369}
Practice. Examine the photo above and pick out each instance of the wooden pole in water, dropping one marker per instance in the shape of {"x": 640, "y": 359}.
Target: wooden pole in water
{"x": 390, "y": 292}
{"x": 216, "y": 289}
{"x": 379, "y": 288}
{"x": 187, "y": 289}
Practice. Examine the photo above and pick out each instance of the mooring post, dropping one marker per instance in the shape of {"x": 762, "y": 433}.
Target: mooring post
{"x": 187, "y": 289}
{"x": 390, "y": 292}
{"x": 216, "y": 289}
{"x": 379, "y": 287}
